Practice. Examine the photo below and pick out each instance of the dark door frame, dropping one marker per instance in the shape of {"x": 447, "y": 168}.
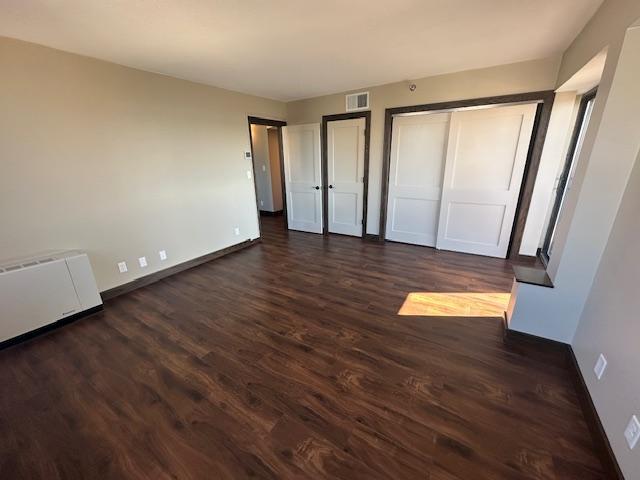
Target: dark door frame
{"x": 545, "y": 102}
{"x": 566, "y": 169}
{"x": 325, "y": 169}
{"x": 278, "y": 124}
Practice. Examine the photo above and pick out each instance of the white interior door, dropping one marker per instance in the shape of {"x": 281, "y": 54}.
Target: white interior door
{"x": 486, "y": 156}
{"x": 303, "y": 179}
{"x": 345, "y": 169}
{"x": 418, "y": 152}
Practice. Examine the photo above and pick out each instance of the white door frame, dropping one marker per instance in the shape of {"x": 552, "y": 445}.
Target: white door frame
{"x": 545, "y": 103}
{"x": 325, "y": 174}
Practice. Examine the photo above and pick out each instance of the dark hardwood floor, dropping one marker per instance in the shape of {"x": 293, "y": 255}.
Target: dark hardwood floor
{"x": 290, "y": 360}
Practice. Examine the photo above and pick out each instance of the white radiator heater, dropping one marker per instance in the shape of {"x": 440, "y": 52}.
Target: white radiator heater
{"x": 38, "y": 291}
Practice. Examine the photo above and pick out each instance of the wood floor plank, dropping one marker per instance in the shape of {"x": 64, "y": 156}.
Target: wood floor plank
{"x": 297, "y": 358}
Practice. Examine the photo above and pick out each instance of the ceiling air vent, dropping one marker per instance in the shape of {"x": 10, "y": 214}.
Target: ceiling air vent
{"x": 357, "y": 101}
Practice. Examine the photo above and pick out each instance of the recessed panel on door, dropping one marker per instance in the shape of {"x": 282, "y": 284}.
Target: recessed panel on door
{"x": 345, "y": 171}
{"x": 303, "y": 180}
{"x": 418, "y": 151}
{"x": 486, "y": 157}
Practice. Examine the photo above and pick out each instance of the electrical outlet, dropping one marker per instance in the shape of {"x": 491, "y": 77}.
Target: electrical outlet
{"x": 162, "y": 254}
{"x": 249, "y": 174}
{"x": 143, "y": 262}
{"x": 600, "y": 367}
{"x": 236, "y": 231}
{"x": 122, "y": 266}
{"x": 261, "y": 203}
{"x": 264, "y": 168}
{"x": 632, "y": 432}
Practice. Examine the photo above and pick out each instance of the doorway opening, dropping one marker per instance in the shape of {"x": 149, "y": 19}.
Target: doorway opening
{"x": 267, "y": 158}
{"x": 459, "y": 175}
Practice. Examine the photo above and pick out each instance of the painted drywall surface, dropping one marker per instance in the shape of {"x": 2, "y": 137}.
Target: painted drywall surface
{"x": 276, "y": 174}
{"x": 506, "y": 79}
{"x": 610, "y": 325}
{"x": 262, "y": 167}
{"x": 119, "y": 162}
{"x": 553, "y": 156}
{"x": 609, "y": 151}
{"x": 606, "y": 27}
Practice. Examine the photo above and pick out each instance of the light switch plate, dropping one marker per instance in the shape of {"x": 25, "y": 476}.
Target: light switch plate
{"x": 264, "y": 168}
{"x": 247, "y": 155}
{"x": 162, "y": 254}
{"x": 122, "y": 267}
{"x": 600, "y": 367}
{"x": 632, "y": 432}
{"x": 142, "y": 261}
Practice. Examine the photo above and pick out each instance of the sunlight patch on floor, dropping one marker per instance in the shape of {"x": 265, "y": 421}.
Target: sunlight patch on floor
{"x": 459, "y": 304}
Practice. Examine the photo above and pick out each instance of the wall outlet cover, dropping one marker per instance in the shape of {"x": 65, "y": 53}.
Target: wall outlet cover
{"x": 162, "y": 254}
{"x": 122, "y": 267}
{"x": 600, "y": 367}
{"x": 142, "y": 261}
{"x": 264, "y": 168}
{"x": 247, "y": 155}
{"x": 632, "y": 432}
{"x": 236, "y": 231}
{"x": 249, "y": 174}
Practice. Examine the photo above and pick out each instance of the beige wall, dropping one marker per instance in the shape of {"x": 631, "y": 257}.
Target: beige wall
{"x": 514, "y": 78}
{"x": 606, "y": 28}
{"x": 604, "y": 164}
{"x": 120, "y": 162}
{"x": 610, "y": 324}
{"x": 594, "y": 264}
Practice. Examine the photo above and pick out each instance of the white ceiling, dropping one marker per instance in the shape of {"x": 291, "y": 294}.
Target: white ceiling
{"x": 291, "y": 49}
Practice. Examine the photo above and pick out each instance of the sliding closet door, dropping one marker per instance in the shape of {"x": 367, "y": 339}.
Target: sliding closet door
{"x": 418, "y": 149}
{"x": 485, "y": 161}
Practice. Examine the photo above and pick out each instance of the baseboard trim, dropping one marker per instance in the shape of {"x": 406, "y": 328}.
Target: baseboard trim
{"x": 50, "y": 327}
{"x": 600, "y": 439}
{"x": 529, "y": 337}
{"x": 181, "y": 267}
{"x": 598, "y": 435}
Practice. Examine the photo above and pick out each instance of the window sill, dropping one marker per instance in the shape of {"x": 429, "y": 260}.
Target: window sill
{"x": 532, "y": 276}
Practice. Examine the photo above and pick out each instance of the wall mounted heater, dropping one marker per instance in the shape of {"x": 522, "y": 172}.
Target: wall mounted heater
{"x": 38, "y": 291}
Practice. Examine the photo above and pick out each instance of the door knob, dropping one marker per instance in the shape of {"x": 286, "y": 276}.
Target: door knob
{"x": 316, "y": 187}
{"x": 330, "y": 186}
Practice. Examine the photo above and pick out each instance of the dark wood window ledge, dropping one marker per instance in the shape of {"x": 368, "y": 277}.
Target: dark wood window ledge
{"x": 532, "y": 276}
